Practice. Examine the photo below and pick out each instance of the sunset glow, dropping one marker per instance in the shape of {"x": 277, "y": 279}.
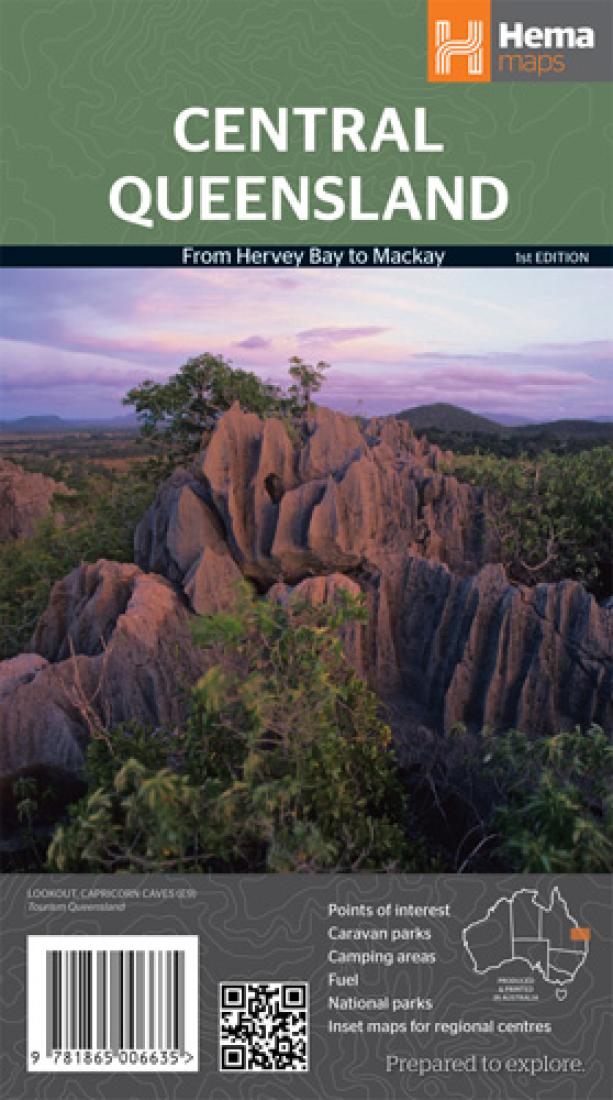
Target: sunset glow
{"x": 530, "y": 343}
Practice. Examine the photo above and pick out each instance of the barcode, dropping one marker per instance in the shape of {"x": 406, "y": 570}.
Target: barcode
{"x": 139, "y": 1000}
{"x": 110, "y": 1001}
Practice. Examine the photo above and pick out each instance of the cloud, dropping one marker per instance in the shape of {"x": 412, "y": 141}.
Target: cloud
{"x": 39, "y": 367}
{"x": 537, "y": 394}
{"x": 254, "y": 343}
{"x": 501, "y": 378}
{"x": 336, "y": 335}
{"x": 594, "y": 349}
{"x": 587, "y": 354}
{"x": 85, "y": 336}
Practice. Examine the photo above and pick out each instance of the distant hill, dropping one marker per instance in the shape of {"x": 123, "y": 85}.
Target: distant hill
{"x": 439, "y": 420}
{"x": 43, "y": 424}
{"x": 509, "y": 420}
{"x": 565, "y": 429}
{"x": 447, "y": 418}
{"x": 34, "y": 424}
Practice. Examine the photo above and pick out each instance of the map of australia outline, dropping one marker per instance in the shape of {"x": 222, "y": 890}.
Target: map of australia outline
{"x": 532, "y": 933}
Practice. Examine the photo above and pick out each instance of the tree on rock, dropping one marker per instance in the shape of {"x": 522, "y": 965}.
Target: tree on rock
{"x": 174, "y": 414}
{"x": 308, "y": 380}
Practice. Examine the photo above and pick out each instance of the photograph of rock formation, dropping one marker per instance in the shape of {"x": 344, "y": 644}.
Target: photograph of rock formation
{"x": 306, "y": 571}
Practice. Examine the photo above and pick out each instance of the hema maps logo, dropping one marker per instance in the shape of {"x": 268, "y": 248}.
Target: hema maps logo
{"x": 470, "y": 47}
{"x": 459, "y": 40}
{"x": 478, "y": 41}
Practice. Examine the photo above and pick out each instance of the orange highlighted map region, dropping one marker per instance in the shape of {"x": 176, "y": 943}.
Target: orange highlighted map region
{"x": 581, "y": 934}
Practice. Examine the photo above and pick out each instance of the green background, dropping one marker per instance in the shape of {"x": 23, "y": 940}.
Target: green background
{"x": 90, "y": 90}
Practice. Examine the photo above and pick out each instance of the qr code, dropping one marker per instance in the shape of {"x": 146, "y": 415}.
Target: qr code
{"x": 264, "y": 1026}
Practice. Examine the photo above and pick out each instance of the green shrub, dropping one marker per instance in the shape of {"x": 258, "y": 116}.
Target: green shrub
{"x": 552, "y": 514}
{"x": 504, "y": 801}
{"x": 98, "y": 521}
{"x": 556, "y": 808}
{"x": 284, "y": 764}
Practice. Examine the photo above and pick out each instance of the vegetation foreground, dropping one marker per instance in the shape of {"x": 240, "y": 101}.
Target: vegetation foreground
{"x": 286, "y": 760}
{"x": 286, "y": 764}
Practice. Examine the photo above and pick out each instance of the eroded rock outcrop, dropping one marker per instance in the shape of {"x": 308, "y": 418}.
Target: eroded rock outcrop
{"x": 24, "y": 499}
{"x": 330, "y": 500}
{"x": 305, "y": 513}
{"x": 487, "y": 653}
{"x": 478, "y": 650}
{"x": 113, "y": 645}
{"x": 373, "y": 510}
{"x": 182, "y": 538}
{"x": 19, "y": 670}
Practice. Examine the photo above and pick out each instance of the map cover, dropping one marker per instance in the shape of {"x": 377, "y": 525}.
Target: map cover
{"x": 306, "y": 585}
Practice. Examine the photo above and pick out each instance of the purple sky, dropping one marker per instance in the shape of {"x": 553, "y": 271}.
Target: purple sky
{"x": 532, "y": 343}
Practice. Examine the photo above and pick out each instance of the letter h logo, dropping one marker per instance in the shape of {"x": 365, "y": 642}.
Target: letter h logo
{"x": 448, "y": 47}
{"x": 459, "y": 40}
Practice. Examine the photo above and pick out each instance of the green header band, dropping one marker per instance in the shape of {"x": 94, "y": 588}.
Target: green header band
{"x": 225, "y": 122}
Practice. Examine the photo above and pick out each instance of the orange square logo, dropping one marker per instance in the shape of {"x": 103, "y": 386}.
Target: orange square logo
{"x": 459, "y": 41}
{"x": 582, "y": 935}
